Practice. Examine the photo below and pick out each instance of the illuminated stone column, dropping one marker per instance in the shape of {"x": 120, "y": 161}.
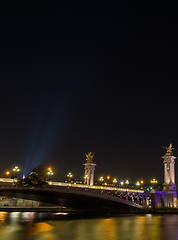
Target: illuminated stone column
{"x": 167, "y": 197}
{"x": 169, "y": 172}
{"x": 169, "y": 185}
{"x": 89, "y": 169}
{"x": 89, "y": 173}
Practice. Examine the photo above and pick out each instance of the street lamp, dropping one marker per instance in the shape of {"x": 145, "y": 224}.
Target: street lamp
{"x": 7, "y": 173}
{"x": 127, "y": 182}
{"x": 50, "y": 173}
{"x": 101, "y": 179}
{"x": 108, "y": 180}
{"x": 114, "y": 181}
{"x": 122, "y": 183}
{"x": 69, "y": 175}
{"x": 16, "y": 170}
{"x": 137, "y": 183}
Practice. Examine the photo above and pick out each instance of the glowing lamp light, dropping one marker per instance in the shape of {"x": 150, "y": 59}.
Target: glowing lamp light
{"x": 114, "y": 180}
{"x": 50, "y": 172}
{"x": 69, "y": 175}
{"x": 108, "y": 177}
{"x": 16, "y": 169}
{"x": 7, "y": 173}
{"x": 141, "y": 181}
{"x": 122, "y": 183}
{"x": 101, "y": 179}
{"x": 154, "y": 181}
{"x": 127, "y": 182}
{"x": 137, "y": 183}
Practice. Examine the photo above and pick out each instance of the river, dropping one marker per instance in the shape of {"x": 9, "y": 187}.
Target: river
{"x": 42, "y": 226}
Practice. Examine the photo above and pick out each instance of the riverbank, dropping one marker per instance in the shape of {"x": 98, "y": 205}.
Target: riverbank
{"x": 35, "y": 209}
{"x": 161, "y": 210}
{"x": 72, "y": 211}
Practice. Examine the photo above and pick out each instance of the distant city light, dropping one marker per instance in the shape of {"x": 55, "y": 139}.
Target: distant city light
{"x": 122, "y": 183}
{"x": 114, "y": 180}
{"x": 154, "y": 181}
{"x": 137, "y": 183}
{"x": 127, "y": 182}
{"x": 108, "y": 177}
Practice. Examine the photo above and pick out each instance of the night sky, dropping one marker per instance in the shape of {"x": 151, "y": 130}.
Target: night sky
{"x": 88, "y": 77}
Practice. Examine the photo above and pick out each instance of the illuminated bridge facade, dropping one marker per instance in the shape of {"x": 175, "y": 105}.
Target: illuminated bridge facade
{"x": 80, "y": 197}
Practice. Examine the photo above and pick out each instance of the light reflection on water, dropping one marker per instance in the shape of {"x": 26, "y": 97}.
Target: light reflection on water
{"x": 3, "y": 217}
{"x": 41, "y": 226}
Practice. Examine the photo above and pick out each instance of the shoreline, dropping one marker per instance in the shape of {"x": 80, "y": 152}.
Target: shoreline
{"x": 161, "y": 211}
{"x": 35, "y": 209}
{"x": 72, "y": 211}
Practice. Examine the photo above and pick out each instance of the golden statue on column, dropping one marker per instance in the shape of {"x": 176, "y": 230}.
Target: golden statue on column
{"x": 89, "y": 156}
{"x": 169, "y": 150}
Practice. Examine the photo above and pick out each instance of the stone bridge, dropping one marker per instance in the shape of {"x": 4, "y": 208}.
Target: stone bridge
{"x": 80, "y": 197}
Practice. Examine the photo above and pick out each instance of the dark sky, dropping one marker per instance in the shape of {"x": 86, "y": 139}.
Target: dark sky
{"x": 88, "y": 77}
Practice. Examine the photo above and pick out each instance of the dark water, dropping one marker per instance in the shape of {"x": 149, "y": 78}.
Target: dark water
{"x": 40, "y": 226}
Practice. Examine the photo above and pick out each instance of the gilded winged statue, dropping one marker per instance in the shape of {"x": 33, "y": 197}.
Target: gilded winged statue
{"x": 89, "y": 156}
{"x": 169, "y": 150}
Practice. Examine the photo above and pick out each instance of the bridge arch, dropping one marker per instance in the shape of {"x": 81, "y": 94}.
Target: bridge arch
{"x": 73, "y": 198}
{"x": 161, "y": 203}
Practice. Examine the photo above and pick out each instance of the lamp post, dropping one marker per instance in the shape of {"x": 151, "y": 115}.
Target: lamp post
{"x": 114, "y": 181}
{"x": 122, "y": 183}
{"x": 138, "y": 184}
{"x": 16, "y": 170}
{"x": 7, "y": 173}
{"x": 108, "y": 179}
{"x": 69, "y": 175}
{"x": 101, "y": 179}
{"x": 50, "y": 173}
{"x": 127, "y": 182}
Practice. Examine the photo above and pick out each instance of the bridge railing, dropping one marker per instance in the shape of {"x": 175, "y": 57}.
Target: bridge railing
{"x": 9, "y": 180}
{"x": 95, "y": 187}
